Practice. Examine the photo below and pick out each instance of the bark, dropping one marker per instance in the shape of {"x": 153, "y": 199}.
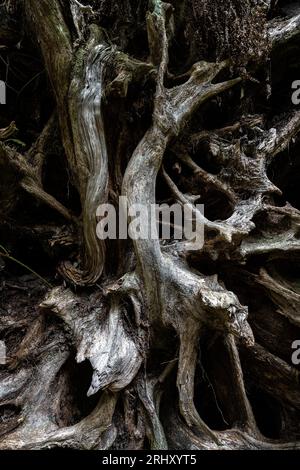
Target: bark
{"x": 147, "y": 343}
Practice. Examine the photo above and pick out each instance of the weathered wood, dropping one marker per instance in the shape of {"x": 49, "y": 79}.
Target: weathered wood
{"x": 146, "y": 111}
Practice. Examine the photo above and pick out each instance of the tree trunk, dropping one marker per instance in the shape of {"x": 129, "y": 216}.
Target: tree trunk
{"x": 148, "y": 343}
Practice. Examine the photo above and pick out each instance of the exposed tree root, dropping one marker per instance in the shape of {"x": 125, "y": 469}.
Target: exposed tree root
{"x": 139, "y": 313}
